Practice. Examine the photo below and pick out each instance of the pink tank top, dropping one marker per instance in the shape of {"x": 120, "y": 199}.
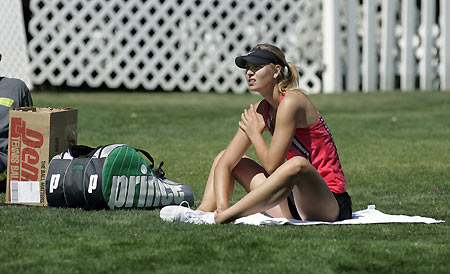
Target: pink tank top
{"x": 316, "y": 144}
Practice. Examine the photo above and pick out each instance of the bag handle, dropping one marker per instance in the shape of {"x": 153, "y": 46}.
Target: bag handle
{"x": 146, "y": 154}
{"x": 82, "y": 151}
{"x": 158, "y": 171}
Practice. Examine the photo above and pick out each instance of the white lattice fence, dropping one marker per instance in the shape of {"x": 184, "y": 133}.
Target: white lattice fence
{"x": 185, "y": 44}
{"x": 13, "y": 42}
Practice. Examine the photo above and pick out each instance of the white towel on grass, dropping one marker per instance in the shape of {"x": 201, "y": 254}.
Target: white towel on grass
{"x": 366, "y": 216}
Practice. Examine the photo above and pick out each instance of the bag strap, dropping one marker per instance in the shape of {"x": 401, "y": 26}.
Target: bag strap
{"x": 146, "y": 154}
{"x": 158, "y": 171}
{"x": 82, "y": 151}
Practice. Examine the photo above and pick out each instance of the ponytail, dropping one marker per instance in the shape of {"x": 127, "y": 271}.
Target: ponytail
{"x": 288, "y": 79}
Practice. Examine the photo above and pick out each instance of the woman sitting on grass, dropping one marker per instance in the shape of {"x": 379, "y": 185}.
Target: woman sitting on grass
{"x": 310, "y": 185}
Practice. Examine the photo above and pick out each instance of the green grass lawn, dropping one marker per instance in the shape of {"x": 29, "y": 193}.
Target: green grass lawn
{"x": 394, "y": 148}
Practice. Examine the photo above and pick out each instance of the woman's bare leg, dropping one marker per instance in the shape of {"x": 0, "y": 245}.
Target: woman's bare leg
{"x": 208, "y": 203}
{"x": 313, "y": 198}
{"x": 250, "y": 175}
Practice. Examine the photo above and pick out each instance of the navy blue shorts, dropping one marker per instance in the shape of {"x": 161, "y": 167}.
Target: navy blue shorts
{"x": 343, "y": 199}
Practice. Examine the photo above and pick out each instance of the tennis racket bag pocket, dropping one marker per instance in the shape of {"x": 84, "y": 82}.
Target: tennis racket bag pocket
{"x": 114, "y": 177}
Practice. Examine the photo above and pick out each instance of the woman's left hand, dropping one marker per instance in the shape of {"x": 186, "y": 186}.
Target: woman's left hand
{"x": 252, "y": 123}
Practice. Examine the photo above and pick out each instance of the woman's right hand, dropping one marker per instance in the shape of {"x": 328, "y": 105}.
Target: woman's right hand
{"x": 252, "y": 123}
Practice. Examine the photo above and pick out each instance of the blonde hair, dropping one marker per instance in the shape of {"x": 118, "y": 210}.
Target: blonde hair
{"x": 288, "y": 78}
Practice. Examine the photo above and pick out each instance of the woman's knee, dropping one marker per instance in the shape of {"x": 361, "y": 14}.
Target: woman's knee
{"x": 297, "y": 165}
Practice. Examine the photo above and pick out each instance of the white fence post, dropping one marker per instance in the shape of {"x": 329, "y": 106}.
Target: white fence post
{"x": 369, "y": 47}
{"x": 407, "y": 71}
{"x": 353, "y": 63}
{"x": 445, "y": 45}
{"x": 332, "y": 77}
{"x": 428, "y": 18}
{"x": 387, "y": 45}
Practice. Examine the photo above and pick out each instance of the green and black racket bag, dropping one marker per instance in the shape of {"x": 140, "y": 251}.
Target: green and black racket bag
{"x": 112, "y": 176}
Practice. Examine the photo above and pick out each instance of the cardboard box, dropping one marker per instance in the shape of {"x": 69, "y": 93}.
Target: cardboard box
{"x": 35, "y": 136}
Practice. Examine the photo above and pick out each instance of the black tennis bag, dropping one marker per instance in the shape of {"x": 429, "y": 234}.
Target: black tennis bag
{"x": 112, "y": 176}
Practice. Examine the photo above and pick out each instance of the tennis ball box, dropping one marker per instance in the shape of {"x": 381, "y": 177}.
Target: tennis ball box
{"x": 35, "y": 136}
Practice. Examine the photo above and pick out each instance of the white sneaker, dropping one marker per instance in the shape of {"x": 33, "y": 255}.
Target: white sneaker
{"x": 183, "y": 214}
